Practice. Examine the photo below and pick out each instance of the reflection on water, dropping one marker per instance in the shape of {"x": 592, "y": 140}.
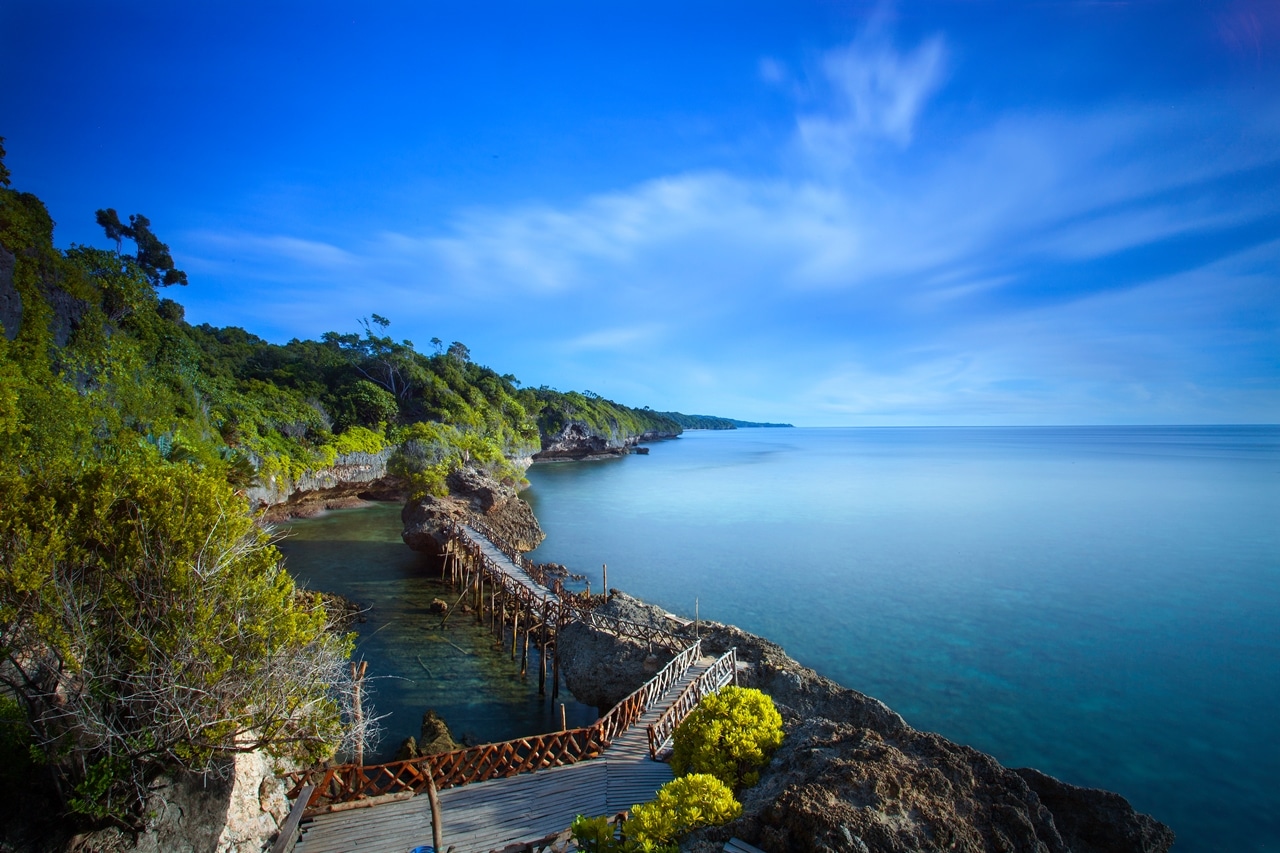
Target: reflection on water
{"x": 415, "y": 662}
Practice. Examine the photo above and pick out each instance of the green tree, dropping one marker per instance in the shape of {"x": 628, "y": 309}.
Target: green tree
{"x": 4, "y": 170}
{"x": 152, "y": 256}
{"x": 146, "y": 624}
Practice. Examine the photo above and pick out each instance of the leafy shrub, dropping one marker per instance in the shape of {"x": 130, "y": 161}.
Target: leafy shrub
{"x": 682, "y": 805}
{"x": 731, "y": 735}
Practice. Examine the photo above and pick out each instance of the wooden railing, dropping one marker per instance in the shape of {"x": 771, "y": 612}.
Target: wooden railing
{"x": 350, "y": 782}
{"x": 624, "y": 715}
{"x": 553, "y": 608}
{"x": 720, "y": 673}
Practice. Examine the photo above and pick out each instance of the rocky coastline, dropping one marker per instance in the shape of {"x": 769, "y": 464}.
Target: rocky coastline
{"x": 576, "y": 441}
{"x": 851, "y": 775}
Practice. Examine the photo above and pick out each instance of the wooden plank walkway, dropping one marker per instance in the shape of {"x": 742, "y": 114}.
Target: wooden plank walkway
{"x": 489, "y": 815}
{"x": 504, "y": 563}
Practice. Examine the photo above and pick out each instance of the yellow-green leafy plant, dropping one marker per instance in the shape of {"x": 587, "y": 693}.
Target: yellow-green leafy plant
{"x": 682, "y": 805}
{"x": 731, "y": 735}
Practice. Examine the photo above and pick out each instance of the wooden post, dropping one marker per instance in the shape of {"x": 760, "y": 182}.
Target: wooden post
{"x": 605, "y": 572}
{"x": 564, "y": 720}
{"x": 515, "y": 633}
{"x": 357, "y": 678}
{"x": 528, "y": 627}
{"x": 433, "y": 796}
{"x": 542, "y": 653}
{"x": 555, "y": 663}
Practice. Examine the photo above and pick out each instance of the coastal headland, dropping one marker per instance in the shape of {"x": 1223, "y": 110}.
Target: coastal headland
{"x": 851, "y": 774}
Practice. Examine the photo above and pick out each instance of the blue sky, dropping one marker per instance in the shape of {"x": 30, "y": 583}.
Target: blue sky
{"x": 826, "y": 213}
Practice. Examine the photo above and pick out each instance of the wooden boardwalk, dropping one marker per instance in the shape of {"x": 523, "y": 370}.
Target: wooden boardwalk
{"x": 489, "y": 815}
{"x": 508, "y": 567}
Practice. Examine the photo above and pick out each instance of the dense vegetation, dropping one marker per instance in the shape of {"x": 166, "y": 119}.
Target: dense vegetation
{"x": 145, "y": 621}
{"x": 605, "y": 416}
{"x": 713, "y": 421}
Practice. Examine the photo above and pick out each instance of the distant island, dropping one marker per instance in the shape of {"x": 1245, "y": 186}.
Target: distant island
{"x": 715, "y": 422}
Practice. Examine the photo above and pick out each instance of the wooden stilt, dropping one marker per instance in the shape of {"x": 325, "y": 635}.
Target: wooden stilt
{"x": 542, "y": 653}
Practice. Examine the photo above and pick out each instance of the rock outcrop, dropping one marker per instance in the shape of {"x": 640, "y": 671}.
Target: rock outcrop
{"x": 853, "y": 776}
{"x": 601, "y": 670}
{"x": 578, "y": 440}
{"x": 354, "y": 477}
{"x": 237, "y": 811}
{"x": 472, "y": 496}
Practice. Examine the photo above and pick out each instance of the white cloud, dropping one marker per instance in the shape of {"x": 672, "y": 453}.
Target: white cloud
{"x": 620, "y": 338}
{"x": 871, "y": 91}
{"x": 926, "y": 241}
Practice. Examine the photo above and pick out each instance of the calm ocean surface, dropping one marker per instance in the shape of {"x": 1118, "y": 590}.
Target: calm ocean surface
{"x": 1100, "y": 603}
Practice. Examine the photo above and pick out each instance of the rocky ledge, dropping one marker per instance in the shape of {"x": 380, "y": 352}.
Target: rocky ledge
{"x": 353, "y": 479}
{"x": 853, "y": 776}
{"x": 472, "y": 497}
{"x": 577, "y": 440}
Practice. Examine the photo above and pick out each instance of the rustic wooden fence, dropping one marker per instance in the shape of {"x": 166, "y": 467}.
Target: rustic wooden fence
{"x": 351, "y": 782}
{"x": 720, "y": 673}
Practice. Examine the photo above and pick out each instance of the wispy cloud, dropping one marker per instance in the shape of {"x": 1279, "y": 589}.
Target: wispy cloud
{"x": 870, "y": 91}
{"x": 919, "y": 273}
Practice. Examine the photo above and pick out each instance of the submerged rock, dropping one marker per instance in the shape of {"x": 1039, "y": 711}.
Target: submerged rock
{"x": 435, "y": 737}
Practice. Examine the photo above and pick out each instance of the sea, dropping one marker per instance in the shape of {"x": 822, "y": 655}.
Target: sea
{"x": 1101, "y": 603}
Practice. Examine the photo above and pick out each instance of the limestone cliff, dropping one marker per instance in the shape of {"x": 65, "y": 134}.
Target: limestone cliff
{"x": 579, "y": 440}
{"x": 352, "y": 477}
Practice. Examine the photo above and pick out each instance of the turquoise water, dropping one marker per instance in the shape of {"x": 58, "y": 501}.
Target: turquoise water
{"x": 1099, "y": 603}
{"x": 415, "y": 662}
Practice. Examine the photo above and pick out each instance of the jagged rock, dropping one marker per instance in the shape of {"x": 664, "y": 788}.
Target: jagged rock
{"x": 473, "y": 496}
{"x": 237, "y": 810}
{"x": 578, "y": 440}
{"x": 1094, "y": 821}
{"x": 436, "y": 736}
{"x": 408, "y": 749}
{"x": 438, "y": 606}
{"x": 353, "y": 477}
{"x": 601, "y": 669}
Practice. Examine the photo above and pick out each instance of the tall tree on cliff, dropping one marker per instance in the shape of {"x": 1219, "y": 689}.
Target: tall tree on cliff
{"x": 153, "y": 256}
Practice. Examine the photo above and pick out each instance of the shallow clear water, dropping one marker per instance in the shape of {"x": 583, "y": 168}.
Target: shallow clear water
{"x": 1099, "y": 603}
{"x": 414, "y": 663}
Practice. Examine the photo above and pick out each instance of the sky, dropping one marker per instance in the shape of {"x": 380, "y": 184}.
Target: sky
{"x": 825, "y": 213}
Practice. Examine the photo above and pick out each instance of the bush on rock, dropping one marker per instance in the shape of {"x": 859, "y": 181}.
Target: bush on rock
{"x": 731, "y": 735}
